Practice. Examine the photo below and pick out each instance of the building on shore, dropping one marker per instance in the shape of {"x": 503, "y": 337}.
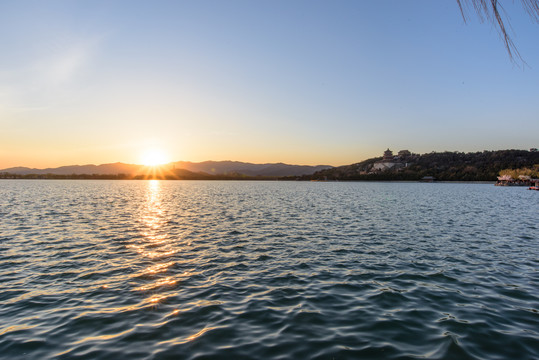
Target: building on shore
{"x": 523, "y": 180}
{"x": 390, "y": 162}
{"x": 428, "y": 179}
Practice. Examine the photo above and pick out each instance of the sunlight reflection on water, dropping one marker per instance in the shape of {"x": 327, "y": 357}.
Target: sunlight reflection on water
{"x": 154, "y": 244}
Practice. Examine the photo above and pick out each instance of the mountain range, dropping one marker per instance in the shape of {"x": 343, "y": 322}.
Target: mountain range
{"x": 236, "y": 167}
{"x": 206, "y": 167}
{"x": 445, "y": 166}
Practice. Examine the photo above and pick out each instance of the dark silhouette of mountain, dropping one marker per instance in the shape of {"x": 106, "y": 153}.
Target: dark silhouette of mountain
{"x": 237, "y": 167}
{"x": 104, "y": 169}
{"x": 192, "y": 170}
{"x": 20, "y": 170}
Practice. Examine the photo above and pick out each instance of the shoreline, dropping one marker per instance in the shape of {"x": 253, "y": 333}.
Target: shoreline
{"x": 108, "y": 177}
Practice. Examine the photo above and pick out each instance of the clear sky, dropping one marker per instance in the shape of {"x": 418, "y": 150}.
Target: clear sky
{"x": 302, "y": 82}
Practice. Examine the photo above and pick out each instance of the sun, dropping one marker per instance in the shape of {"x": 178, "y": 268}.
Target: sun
{"x": 154, "y": 157}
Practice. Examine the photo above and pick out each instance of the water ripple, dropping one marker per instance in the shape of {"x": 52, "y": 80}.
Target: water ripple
{"x": 249, "y": 270}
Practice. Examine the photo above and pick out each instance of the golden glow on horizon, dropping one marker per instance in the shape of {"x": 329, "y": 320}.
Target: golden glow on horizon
{"x": 154, "y": 157}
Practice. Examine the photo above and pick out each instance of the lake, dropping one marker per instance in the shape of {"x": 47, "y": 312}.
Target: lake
{"x": 267, "y": 270}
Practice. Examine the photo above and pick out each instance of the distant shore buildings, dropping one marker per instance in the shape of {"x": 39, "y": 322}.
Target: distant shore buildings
{"x": 392, "y": 162}
{"x": 522, "y": 180}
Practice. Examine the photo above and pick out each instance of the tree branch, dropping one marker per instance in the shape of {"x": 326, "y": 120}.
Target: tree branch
{"x": 494, "y": 12}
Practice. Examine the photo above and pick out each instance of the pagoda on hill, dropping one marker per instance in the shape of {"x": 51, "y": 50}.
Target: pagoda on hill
{"x": 389, "y": 161}
{"x": 388, "y": 155}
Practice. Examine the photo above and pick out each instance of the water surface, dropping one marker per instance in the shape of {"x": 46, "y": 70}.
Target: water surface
{"x": 267, "y": 270}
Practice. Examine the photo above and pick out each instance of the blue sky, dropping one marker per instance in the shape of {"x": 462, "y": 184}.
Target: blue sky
{"x": 304, "y": 82}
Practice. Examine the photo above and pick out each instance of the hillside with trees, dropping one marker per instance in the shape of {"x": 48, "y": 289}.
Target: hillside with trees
{"x": 443, "y": 166}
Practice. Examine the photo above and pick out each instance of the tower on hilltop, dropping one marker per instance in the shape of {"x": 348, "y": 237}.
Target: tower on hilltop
{"x": 388, "y": 155}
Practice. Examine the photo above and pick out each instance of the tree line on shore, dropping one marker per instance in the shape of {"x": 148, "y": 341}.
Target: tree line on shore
{"x": 150, "y": 176}
{"x": 443, "y": 166}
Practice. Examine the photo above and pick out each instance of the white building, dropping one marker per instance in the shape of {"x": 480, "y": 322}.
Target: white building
{"x": 388, "y": 162}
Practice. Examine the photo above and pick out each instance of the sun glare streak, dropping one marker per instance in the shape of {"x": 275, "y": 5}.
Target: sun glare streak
{"x": 165, "y": 171}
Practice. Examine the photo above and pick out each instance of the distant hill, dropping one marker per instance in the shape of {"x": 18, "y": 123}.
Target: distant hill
{"x": 236, "y": 167}
{"x": 192, "y": 170}
{"x": 444, "y": 166}
{"x": 104, "y": 169}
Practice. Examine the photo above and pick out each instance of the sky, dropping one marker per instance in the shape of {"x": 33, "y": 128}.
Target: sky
{"x": 300, "y": 82}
